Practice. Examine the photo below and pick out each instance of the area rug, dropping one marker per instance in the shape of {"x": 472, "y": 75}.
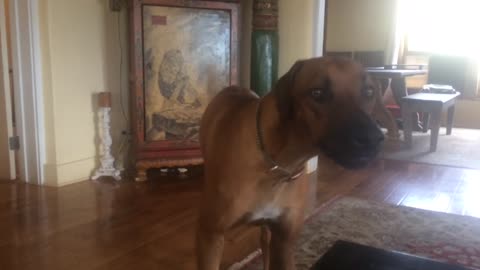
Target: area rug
{"x": 461, "y": 149}
{"x": 440, "y": 236}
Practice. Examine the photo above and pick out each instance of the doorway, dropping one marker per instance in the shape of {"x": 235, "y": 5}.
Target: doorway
{"x": 26, "y": 111}
{"x": 8, "y": 169}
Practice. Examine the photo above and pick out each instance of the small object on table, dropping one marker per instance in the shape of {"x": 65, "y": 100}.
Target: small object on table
{"x": 432, "y": 105}
{"x": 345, "y": 255}
{"x": 438, "y": 89}
{"x": 107, "y": 161}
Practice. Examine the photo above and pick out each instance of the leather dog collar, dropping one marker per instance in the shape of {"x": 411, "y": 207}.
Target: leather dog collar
{"x": 274, "y": 166}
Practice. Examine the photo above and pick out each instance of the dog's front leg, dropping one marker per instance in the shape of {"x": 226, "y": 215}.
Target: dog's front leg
{"x": 282, "y": 243}
{"x": 209, "y": 245}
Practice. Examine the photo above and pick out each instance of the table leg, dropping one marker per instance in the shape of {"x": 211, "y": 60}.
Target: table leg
{"x": 435, "y": 123}
{"x": 407, "y": 125}
{"x": 450, "y": 113}
{"x": 425, "y": 119}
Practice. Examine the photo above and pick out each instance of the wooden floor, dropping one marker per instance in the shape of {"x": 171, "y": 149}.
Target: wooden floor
{"x": 110, "y": 225}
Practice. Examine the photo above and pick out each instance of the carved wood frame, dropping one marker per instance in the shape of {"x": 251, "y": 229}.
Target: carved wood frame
{"x": 167, "y": 154}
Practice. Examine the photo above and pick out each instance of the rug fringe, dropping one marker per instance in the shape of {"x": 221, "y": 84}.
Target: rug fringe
{"x": 247, "y": 260}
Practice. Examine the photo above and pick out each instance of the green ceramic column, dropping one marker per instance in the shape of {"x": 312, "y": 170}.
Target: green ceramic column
{"x": 264, "y": 51}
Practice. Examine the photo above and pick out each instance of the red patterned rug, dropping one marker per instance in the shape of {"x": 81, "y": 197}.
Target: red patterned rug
{"x": 444, "y": 237}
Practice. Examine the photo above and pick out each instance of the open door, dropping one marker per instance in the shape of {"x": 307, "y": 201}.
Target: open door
{"x": 7, "y": 156}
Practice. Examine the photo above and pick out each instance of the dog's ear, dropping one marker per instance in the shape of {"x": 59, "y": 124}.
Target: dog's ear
{"x": 282, "y": 91}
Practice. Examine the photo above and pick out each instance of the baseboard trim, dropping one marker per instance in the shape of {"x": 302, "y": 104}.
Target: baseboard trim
{"x": 58, "y": 175}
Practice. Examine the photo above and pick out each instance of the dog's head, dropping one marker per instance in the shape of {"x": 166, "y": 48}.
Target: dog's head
{"x": 329, "y": 100}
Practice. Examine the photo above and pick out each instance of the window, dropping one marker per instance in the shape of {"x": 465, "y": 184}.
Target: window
{"x": 441, "y": 26}
{"x": 446, "y": 27}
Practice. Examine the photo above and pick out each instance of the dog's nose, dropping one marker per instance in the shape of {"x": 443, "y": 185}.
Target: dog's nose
{"x": 369, "y": 137}
{"x": 364, "y": 132}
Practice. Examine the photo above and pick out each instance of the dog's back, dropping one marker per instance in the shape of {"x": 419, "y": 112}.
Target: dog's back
{"x": 226, "y": 110}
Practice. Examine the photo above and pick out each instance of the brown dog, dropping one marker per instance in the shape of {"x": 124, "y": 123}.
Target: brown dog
{"x": 255, "y": 150}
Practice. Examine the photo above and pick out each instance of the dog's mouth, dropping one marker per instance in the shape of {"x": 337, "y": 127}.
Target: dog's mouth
{"x": 351, "y": 159}
{"x": 353, "y": 144}
{"x": 350, "y": 155}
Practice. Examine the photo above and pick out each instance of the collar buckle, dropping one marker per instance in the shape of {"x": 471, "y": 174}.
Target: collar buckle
{"x": 275, "y": 167}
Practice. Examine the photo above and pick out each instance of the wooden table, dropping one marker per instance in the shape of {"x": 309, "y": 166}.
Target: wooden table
{"x": 351, "y": 256}
{"x": 397, "y": 84}
{"x": 432, "y": 105}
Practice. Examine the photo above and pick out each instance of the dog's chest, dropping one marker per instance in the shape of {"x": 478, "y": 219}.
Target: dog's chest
{"x": 266, "y": 212}
{"x": 271, "y": 204}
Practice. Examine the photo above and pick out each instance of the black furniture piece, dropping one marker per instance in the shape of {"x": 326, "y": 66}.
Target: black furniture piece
{"x": 448, "y": 70}
{"x": 351, "y": 256}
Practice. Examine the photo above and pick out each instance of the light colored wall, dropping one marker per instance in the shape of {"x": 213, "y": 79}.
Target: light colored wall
{"x": 466, "y": 114}
{"x": 296, "y": 32}
{"x": 80, "y": 57}
{"x": 359, "y": 25}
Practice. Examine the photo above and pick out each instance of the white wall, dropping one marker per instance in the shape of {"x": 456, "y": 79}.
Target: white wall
{"x": 359, "y": 25}
{"x": 81, "y": 57}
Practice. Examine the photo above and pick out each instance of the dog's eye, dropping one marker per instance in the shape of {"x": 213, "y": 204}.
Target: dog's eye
{"x": 368, "y": 92}
{"x": 320, "y": 94}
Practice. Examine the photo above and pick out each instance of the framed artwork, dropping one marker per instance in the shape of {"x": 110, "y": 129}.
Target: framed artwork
{"x": 182, "y": 54}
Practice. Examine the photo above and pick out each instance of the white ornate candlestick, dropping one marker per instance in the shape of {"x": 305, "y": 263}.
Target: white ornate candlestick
{"x": 107, "y": 160}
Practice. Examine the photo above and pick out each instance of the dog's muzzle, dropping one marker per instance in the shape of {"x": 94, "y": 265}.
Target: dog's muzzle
{"x": 355, "y": 142}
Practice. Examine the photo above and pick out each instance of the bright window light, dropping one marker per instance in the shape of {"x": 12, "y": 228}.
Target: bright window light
{"x": 441, "y": 26}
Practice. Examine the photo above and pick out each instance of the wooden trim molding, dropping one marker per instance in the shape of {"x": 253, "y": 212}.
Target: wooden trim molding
{"x": 28, "y": 94}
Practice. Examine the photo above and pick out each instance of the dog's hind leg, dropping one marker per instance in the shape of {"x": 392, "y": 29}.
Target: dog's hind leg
{"x": 265, "y": 237}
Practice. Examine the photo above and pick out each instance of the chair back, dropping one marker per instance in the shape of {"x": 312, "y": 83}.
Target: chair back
{"x": 366, "y": 58}
{"x": 448, "y": 70}
{"x": 369, "y": 58}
